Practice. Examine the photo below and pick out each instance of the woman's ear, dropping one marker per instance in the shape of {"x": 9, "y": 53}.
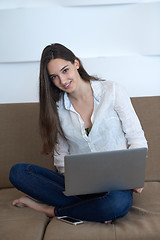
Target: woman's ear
{"x": 76, "y": 63}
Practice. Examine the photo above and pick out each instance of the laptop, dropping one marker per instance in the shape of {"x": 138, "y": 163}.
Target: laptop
{"x": 99, "y": 172}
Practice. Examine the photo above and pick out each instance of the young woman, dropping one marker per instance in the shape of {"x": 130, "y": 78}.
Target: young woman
{"x": 79, "y": 113}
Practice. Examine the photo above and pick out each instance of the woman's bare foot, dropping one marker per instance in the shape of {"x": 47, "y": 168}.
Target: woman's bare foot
{"x": 27, "y": 202}
{"x": 106, "y": 222}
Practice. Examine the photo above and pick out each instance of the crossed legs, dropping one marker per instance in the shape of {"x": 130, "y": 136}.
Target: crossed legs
{"x": 47, "y": 187}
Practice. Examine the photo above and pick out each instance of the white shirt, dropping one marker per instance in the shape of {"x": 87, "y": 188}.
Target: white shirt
{"x": 115, "y": 124}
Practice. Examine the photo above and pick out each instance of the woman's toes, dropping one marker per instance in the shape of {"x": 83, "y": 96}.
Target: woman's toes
{"x": 19, "y": 202}
{"x": 106, "y": 222}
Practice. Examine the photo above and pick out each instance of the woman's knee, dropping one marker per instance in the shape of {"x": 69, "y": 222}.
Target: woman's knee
{"x": 116, "y": 204}
{"x": 122, "y": 203}
{"x": 16, "y": 173}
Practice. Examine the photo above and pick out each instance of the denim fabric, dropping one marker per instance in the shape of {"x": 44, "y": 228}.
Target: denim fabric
{"x": 47, "y": 186}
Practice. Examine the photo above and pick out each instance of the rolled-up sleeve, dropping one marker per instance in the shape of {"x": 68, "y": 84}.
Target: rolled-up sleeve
{"x": 130, "y": 123}
{"x": 62, "y": 149}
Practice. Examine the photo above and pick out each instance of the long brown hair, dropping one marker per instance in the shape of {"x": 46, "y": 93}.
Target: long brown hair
{"x": 49, "y": 94}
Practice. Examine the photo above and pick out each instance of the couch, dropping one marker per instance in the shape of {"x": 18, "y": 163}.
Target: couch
{"x": 20, "y": 142}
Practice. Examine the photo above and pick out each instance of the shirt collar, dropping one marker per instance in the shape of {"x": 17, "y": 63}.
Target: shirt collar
{"x": 97, "y": 90}
{"x": 67, "y": 102}
{"x": 97, "y": 94}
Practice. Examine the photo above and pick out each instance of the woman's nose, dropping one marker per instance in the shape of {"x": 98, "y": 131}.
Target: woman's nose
{"x": 62, "y": 79}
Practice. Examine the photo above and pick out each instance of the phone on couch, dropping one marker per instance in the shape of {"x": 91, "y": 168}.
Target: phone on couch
{"x": 70, "y": 220}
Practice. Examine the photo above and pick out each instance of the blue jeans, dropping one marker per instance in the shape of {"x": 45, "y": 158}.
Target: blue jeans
{"x": 47, "y": 186}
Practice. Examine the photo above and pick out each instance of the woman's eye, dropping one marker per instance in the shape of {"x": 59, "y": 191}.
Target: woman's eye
{"x": 52, "y": 78}
{"x": 65, "y": 70}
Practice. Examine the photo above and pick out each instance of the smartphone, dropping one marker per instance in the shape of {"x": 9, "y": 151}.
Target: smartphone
{"x": 70, "y": 220}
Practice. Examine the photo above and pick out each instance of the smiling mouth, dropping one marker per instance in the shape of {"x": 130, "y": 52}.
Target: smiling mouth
{"x": 67, "y": 85}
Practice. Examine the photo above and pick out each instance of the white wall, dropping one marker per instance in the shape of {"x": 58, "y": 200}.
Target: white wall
{"x": 119, "y": 42}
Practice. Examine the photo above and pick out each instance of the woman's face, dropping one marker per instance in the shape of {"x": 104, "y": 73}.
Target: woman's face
{"x": 64, "y": 74}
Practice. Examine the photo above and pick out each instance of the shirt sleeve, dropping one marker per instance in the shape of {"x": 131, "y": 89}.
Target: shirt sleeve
{"x": 130, "y": 123}
{"x": 62, "y": 149}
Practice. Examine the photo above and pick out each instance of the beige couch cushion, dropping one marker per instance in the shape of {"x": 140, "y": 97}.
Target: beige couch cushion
{"x": 148, "y": 110}
{"x": 132, "y": 227}
{"x": 138, "y": 227}
{"x": 19, "y": 223}
{"x": 149, "y": 201}
{"x": 88, "y": 230}
{"x": 19, "y": 138}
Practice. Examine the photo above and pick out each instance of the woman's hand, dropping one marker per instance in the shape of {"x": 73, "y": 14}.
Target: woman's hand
{"x": 138, "y": 190}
